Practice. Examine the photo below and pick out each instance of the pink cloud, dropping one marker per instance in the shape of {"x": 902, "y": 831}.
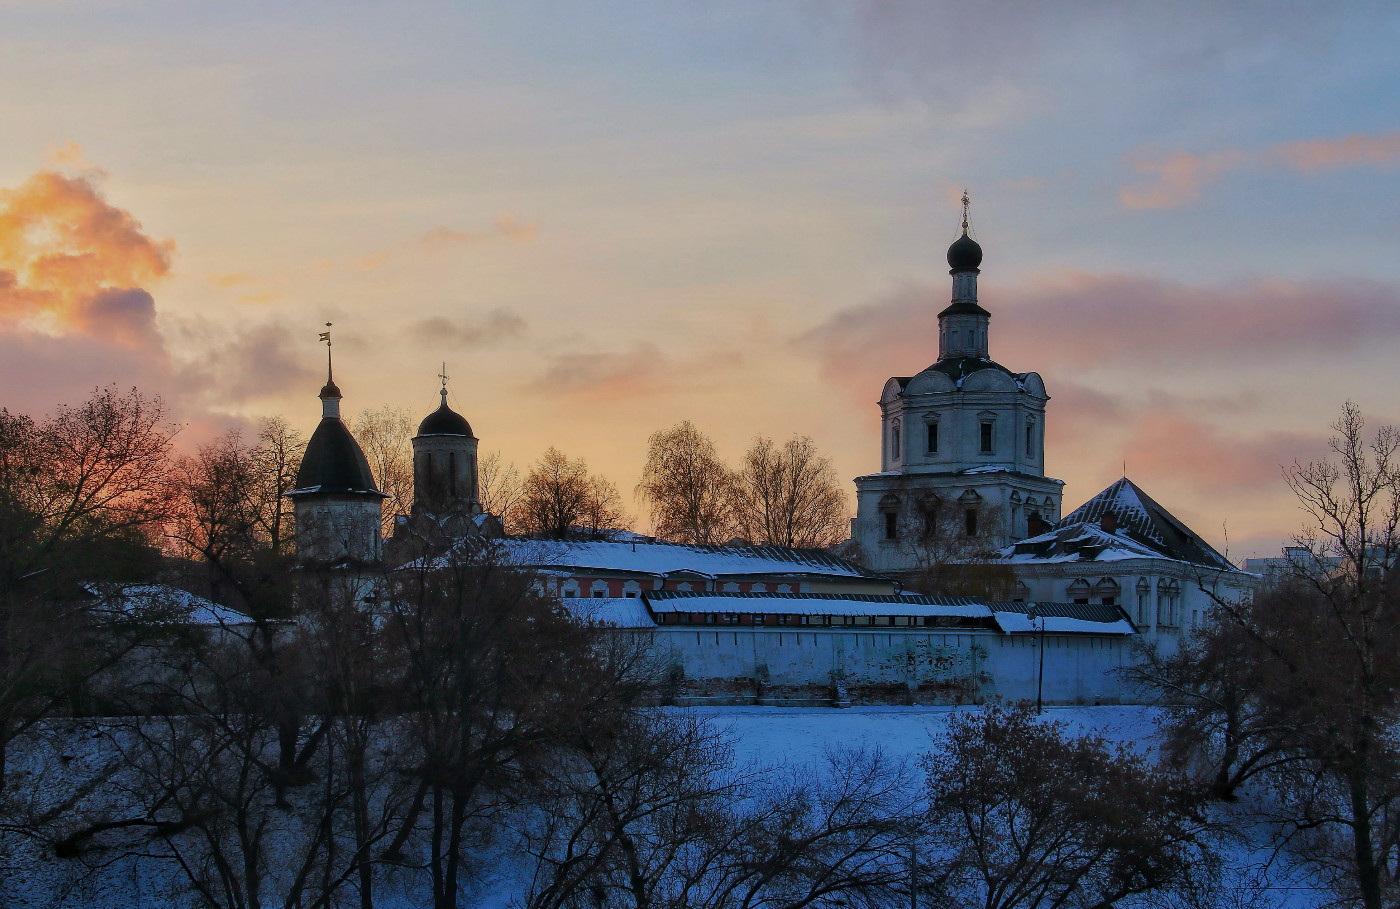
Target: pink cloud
{"x": 1178, "y": 178}
{"x": 1066, "y": 320}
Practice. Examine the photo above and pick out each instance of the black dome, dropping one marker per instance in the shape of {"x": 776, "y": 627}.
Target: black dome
{"x": 445, "y": 422}
{"x": 333, "y": 462}
{"x": 964, "y": 254}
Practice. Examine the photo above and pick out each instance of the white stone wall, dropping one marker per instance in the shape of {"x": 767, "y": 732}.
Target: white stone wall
{"x": 948, "y": 666}
{"x": 338, "y": 527}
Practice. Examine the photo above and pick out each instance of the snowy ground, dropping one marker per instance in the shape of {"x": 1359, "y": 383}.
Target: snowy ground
{"x": 769, "y": 736}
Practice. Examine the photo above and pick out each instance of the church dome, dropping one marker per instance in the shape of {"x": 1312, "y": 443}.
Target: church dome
{"x": 964, "y": 254}
{"x": 445, "y": 422}
{"x": 333, "y": 462}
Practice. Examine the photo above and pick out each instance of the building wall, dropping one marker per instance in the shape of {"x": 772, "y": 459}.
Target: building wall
{"x": 334, "y": 527}
{"x": 1165, "y": 599}
{"x": 941, "y": 667}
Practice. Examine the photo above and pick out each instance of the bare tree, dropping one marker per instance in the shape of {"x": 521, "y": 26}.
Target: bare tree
{"x": 83, "y": 497}
{"x": 560, "y": 497}
{"x": 1024, "y": 816}
{"x": 276, "y": 459}
{"x": 791, "y": 496}
{"x": 1327, "y": 641}
{"x": 1216, "y": 690}
{"x": 689, "y": 491}
{"x": 655, "y": 812}
{"x": 385, "y": 435}
{"x": 499, "y": 483}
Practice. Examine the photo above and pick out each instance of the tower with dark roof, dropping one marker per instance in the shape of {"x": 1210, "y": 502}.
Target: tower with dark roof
{"x": 336, "y": 502}
{"x": 962, "y": 453}
{"x": 444, "y": 464}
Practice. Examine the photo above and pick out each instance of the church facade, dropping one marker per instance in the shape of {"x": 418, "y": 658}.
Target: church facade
{"x": 962, "y": 478}
{"x": 962, "y": 447}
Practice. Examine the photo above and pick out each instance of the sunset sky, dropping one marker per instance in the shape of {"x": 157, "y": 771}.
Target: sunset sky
{"x": 610, "y": 217}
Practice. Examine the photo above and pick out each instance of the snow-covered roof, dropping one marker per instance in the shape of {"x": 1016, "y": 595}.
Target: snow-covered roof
{"x": 1122, "y": 522}
{"x": 1007, "y": 617}
{"x": 169, "y": 603}
{"x": 618, "y": 612}
{"x": 815, "y": 604}
{"x": 657, "y": 559}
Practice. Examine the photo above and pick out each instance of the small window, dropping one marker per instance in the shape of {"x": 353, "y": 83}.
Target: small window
{"x": 970, "y": 519}
{"x": 452, "y": 472}
{"x": 1030, "y": 440}
{"x": 1109, "y": 601}
{"x": 933, "y": 438}
{"x": 1082, "y": 601}
{"x": 891, "y": 525}
{"x": 986, "y": 438}
{"x": 894, "y": 441}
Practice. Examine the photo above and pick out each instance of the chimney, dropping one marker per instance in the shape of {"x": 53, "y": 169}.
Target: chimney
{"x": 1109, "y": 522}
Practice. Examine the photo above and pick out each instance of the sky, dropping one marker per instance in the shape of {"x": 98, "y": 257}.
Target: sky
{"x": 610, "y": 217}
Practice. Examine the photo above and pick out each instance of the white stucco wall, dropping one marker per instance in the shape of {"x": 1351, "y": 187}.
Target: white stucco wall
{"x": 949, "y": 666}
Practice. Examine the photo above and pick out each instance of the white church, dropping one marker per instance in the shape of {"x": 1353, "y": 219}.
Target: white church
{"x": 962, "y": 476}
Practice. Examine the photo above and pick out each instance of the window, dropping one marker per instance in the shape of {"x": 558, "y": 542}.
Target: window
{"x": 894, "y": 441}
{"x": 933, "y": 438}
{"x": 1030, "y": 439}
{"x": 891, "y": 525}
{"x": 452, "y": 472}
{"x": 986, "y": 437}
{"x": 970, "y": 521}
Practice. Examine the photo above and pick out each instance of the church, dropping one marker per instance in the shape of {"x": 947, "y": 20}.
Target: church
{"x": 962, "y": 479}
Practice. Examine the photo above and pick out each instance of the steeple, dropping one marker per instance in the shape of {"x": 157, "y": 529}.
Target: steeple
{"x": 330, "y": 393}
{"x": 962, "y": 326}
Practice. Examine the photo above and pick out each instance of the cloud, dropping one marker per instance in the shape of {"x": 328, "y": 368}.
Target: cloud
{"x": 1166, "y": 445}
{"x": 642, "y": 371}
{"x": 70, "y": 262}
{"x": 1178, "y": 178}
{"x": 248, "y": 363}
{"x": 507, "y": 226}
{"x": 69, "y": 154}
{"x": 1072, "y": 319}
{"x": 498, "y": 325}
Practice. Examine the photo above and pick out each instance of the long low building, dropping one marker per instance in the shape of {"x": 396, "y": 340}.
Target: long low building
{"x": 839, "y": 648}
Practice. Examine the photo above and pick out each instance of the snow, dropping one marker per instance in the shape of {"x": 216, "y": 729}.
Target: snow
{"x": 662, "y": 559}
{"x": 987, "y": 468}
{"x": 196, "y": 610}
{"x": 619, "y": 612}
{"x": 1016, "y": 622}
{"x": 764, "y": 736}
{"x": 793, "y": 604}
{"x": 803, "y": 735}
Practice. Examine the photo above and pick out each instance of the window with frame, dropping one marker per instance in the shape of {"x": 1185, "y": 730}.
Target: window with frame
{"x": 891, "y": 525}
{"x": 970, "y": 522}
{"x": 1030, "y": 438}
{"x": 932, "y": 441}
{"x": 894, "y": 441}
{"x": 986, "y": 437}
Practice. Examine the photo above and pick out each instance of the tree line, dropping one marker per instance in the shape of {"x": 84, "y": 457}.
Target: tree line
{"x": 359, "y": 740}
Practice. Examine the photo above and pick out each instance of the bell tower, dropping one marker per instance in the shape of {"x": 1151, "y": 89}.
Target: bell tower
{"x": 444, "y": 463}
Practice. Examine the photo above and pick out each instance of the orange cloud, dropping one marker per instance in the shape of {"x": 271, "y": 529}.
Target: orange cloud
{"x": 507, "y": 226}
{"x": 70, "y": 262}
{"x": 642, "y": 371}
{"x": 1179, "y": 178}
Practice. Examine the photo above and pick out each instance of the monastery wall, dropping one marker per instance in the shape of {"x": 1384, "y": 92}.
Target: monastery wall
{"x": 896, "y": 666}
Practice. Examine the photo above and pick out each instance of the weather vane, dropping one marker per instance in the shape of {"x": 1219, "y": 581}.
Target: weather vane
{"x": 966, "y": 201}
{"x": 326, "y": 336}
